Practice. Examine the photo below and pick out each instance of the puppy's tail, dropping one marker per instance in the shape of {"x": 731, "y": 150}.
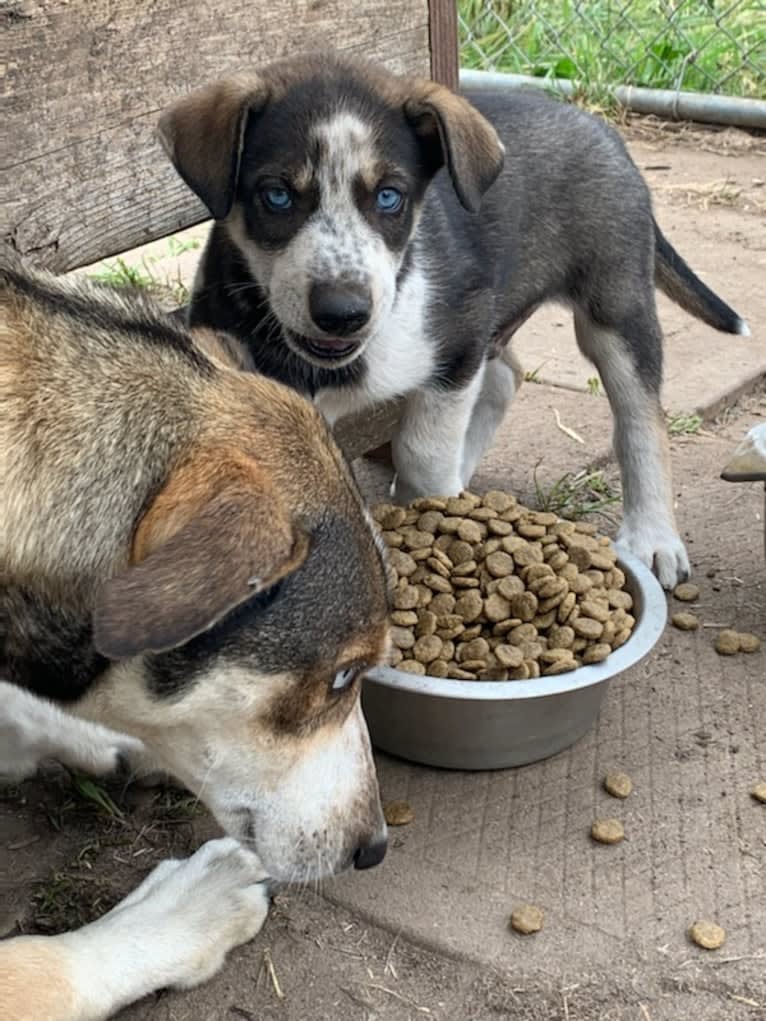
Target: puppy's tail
{"x": 676, "y": 279}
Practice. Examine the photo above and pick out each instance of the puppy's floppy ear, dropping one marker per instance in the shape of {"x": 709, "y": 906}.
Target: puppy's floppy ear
{"x": 215, "y": 536}
{"x": 203, "y": 132}
{"x": 468, "y": 143}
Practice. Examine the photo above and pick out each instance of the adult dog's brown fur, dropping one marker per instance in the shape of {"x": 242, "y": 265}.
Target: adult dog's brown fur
{"x": 185, "y": 558}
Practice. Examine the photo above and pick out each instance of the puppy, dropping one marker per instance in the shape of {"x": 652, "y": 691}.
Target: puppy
{"x": 185, "y": 560}
{"x": 379, "y": 236}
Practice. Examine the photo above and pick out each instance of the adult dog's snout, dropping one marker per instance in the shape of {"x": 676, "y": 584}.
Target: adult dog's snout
{"x": 340, "y": 309}
{"x": 367, "y": 856}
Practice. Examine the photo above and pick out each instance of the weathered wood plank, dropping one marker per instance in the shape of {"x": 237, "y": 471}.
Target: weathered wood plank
{"x": 82, "y": 175}
{"x": 445, "y": 61}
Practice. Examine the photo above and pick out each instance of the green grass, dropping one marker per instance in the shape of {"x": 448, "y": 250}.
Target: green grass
{"x": 658, "y": 44}
{"x": 119, "y": 273}
{"x": 142, "y": 274}
{"x": 577, "y": 494}
{"x": 684, "y": 425}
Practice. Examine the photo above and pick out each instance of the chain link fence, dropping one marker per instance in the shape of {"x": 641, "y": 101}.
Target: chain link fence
{"x": 709, "y": 46}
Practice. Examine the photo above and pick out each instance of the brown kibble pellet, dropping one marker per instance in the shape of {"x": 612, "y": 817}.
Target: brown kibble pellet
{"x": 496, "y": 608}
{"x": 499, "y": 501}
{"x": 596, "y": 653}
{"x": 442, "y": 603}
{"x": 686, "y": 592}
{"x": 398, "y": 813}
{"x": 619, "y": 785}
{"x": 748, "y": 642}
{"x": 759, "y": 792}
{"x": 406, "y": 598}
{"x": 411, "y": 666}
{"x": 401, "y": 562}
{"x": 404, "y": 618}
{"x": 526, "y": 919}
{"x": 437, "y": 668}
{"x": 727, "y": 642}
{"x": 509, "y": 656}
{"x": 594, "y": 609}
{"x": 469, "y": 606}
{"x": 470, "y": 531}
{"x": 685, "y": 621}
{"x": 707, "y": 935}
{"x": 562, "y": 666}
{"x": 607, "y": 831}
{"x": 402, "y": 637}
{"x": 425, "y": 623}
{"x": 499, "y": 564}
{"x": 437, "y": 584}
{"x": 427, "y": 648}
{"x": 477, "y": 648}
{"x": 586, "y": 627}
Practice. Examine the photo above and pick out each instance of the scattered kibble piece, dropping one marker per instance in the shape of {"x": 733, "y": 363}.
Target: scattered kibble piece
{"x": 685, "y": 621}
{"x": 526, "y": 919}
{"x": 619, "y": 785}
{"x": 707, "y": 935}
{"x": 686, "y": 592}
{"x": 607, "y": 831}
{"x": 398, "y": 813}
{"x": 727, "y": 643}
{"x": 759, "y": 792}
{"x": 748, "y": 642}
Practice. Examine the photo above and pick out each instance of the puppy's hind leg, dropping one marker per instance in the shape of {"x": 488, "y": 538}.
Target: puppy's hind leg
{"x": 640, "y": 439}
{"x": 502, "y": 378}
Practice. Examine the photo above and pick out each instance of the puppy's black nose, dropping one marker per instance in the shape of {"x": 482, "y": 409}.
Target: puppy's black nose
{"x": 340, "y": 309}
{"x": 367, "y": 856}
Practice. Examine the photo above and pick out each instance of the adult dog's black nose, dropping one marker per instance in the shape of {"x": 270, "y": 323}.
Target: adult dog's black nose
{"x": 340, "y": 309}
{"x": 367, "y": 856}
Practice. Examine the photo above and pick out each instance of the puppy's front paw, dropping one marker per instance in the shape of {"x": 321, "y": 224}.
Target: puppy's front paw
{"x": 660, "y": 548}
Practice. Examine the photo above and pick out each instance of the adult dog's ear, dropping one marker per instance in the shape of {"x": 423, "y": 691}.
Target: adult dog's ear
{"x": 203, "y": 132}
{"x": 457, "y": 135}
{"x": 216, "y": 535}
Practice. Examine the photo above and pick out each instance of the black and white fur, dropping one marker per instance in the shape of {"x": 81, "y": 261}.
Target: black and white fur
{"x": 509, "y": 201}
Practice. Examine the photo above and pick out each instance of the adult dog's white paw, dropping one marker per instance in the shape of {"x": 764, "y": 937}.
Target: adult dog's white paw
{"x": 659, "y": 547}
{"x": 33, "y": 729}
{"x": 191, "y": 913}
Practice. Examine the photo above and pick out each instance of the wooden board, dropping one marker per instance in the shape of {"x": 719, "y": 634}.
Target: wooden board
{"x": 82, "y": 175}
{"x": 443, "y": 36}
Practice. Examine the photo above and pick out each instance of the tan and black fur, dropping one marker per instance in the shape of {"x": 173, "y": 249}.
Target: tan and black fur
{"x": 185, "y": 559}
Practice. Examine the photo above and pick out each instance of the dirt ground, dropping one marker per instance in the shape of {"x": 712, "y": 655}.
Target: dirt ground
{"x": 425, "y": 935}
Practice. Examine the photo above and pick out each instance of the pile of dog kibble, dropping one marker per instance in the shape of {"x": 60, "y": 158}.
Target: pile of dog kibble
{"x": 486, "y": 589}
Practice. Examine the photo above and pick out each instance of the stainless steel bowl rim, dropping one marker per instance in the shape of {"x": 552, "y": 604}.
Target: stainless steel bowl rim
{"x": 645, "y": 635}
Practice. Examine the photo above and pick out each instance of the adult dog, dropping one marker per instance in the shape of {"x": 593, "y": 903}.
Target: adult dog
{"x": 379, "y": 236}
{"x": 188, "y": 571}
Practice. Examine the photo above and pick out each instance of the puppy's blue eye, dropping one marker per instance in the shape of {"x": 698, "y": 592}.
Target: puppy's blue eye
{"x": 278, "y": 199}
{"x": 389, "y": 200}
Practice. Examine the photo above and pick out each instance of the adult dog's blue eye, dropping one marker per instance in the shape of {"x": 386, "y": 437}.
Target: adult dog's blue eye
{"x": 389, "y": 200}
{"x": 277, "y": 199}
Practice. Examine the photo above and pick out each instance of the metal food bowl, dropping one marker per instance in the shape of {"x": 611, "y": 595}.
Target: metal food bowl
{"x": 495, "y": 724}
